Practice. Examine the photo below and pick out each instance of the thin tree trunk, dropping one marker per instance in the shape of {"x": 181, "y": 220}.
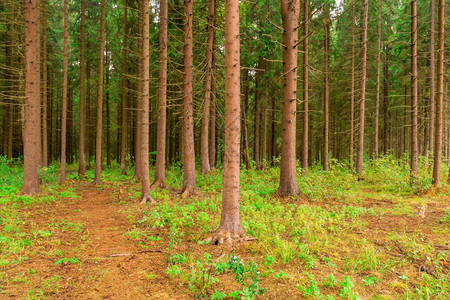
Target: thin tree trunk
{"x": 386, "y": 113}
{"x": 160, "y": 168}
{"x": 290, "y": 11}
{"x": 414, "y": 105}
{"x": 305, "y": 157}
{"x": 81, "y": 164}
{"x": 145, "y": 195}
{"x": 432, "y": 78}
{"x": 212, "y": 129}
{"x": 188, "y": 120}
{"x": 204, "y": 134}
{"x": 64, "y": 104}
{"x": 32, "y": 130}
{"x": 44, "y": 86}
{"x": 257, "y": 126}
{"x": 138, "y": 142}
{"x": 360, "y": 154}
{"x": 352, "y": 93}
{"x": 440, "y": 96}
{"x": 124, "y": 134}
{"x": 230, "y": 228}
{"x": 326, "y": 106}
{"x": 88, "y": 114}
{"x": 98, "y": 145}
{"x": 108, "y": 121}
{"x": 377, "y": 104}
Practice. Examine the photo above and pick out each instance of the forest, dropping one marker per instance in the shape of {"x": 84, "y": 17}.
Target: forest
{"x": 237, "y": 149}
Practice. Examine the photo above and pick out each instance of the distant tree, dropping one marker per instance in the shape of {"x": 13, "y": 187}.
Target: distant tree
{"x": 124, "y": 126}
{"x": 432, "y": 78}
{"x": 360, "y": 154}
{"x": 32, "y": 130}
{"x": 98, "y": 145}
{"x": 65, "y": 87}
{"x": 377, "y": 101}
{"x": 44, "y": 85}
{"x": 81, "y": 164}
{"x": 414, "y": 104}
{"x": 326, "y": 88}
{"x": 305, "y": 155}
{"x": 290, "y": 11}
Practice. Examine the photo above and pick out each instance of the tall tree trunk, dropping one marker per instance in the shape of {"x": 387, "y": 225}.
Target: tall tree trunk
{"x": 160, "y": 168}
{"x": 44, "y": 86}
{"x": 204, "y": 134}
{"x": 88, "y": 114}
{"x": 108, "y": 121}
{"x": 257, "y": 126}
{"x": 188, "y": 120}
{"x": 360, "y": 154}
{"x": 138, "y": 142}
{"x": 432, "y": 78}
{"x": 386, "y": 113}
{"x": 377, "y": 104}
{"x": 32, "y": 130}
{"x": 230, "y": 228}
{"x": 440, "y": 95}
{"x": 326, "y": 104}
{"x": 414, "y": 108}
{"x": 98, "y": 141}
{"x": 145, "y": 195}
{"x": 290, "y": 11}
{"x": 124, "y": 133}
{"x": 212, "y": 128}
{"x": 305, "y": 84}
{"x": 64, "y": 104}
{"x": 352, "y": 93}
{"x": 81, "y": 165}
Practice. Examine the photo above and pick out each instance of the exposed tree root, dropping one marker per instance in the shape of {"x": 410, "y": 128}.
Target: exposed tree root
{"x": 188, "y": 192}
{"x": 292, "y": 191}
{"x": 97, "y": 182}
{"x": 228, "y": 238}
{"x": 146, "y": 198}
{"x": 159, "y": 184}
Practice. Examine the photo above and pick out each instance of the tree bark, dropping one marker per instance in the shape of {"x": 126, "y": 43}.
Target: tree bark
{"x": 290, "y": 11}
{"x": 360, "y": 154}
{"x": 32, "y": 130}
{"x": 440, "y": 96}
{"x": 204, "y": 134}
{"x": 377, "y": 103}
{"x": 138, "y": 142}
{"x": 124, "y": 133}
{"x": 414, "y": 105}
{"x": 188, "y": 120}
{"x": 160, "y": 168}
{"x": 81, "y": 164}
{"x": 98, "y": 145}
{"x": 88, "y": 114}
{"x": 108, "y": 121}
{"x": 64, "y": 104}
{"x": 230, "y": 228}
{"x": 432, "y": 78}
{"x": 145, "y": 195}
{"x": 212, "y": 129}
{"x": 326, "y": 106}
{"x": 305, "y": 155}
{"x": 386, "y": 112}
{"x": 44, "y": 86}
{"x": 352, "y": 93}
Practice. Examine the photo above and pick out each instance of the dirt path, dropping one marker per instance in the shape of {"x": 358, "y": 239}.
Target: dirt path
{"x": 91, "y": 229}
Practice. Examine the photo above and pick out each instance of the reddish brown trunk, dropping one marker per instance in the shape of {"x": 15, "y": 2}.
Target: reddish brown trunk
{"x": 44, "y": 86}
{"x": 64, "y": 104}
{"x": 326, "y": 106}
{"x": 377, "y": 103}
{"x": 212, "y": 128}
{"x": 305, "y": 156}
{"x": 145, "y": 195}
{"x": 440, "y": 96}
{"x": 432, "y": 76}
{"x": 108, "y": 121}
{"x": 32, "y": 130}
{"x": 230, "y": 228}
{"x": 160, "y": 168}
{"x": 98, "y": 141}
{"x": 289, "y": 13}
{"x": 81, "y": 165}
{"x": 352, "y": 93}
{"x": 414, "y": 108}
{"x": 124, "y": 133}
{"x": 188, "y": 121}
{"x": 204, "y": 134}
{"x": 88, "y": 114}
{"x": 138, "y": 142}
{"x": 360, "y": 154}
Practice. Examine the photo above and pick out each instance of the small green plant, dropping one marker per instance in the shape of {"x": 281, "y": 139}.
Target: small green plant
{"x": 312, "y": 290}
{"x": 173, "y": 271}
{"x": 370, "y": 281}
{"x": 279, "y": 275}
{"x": 330, "y": 281}
{"x": 347, "y": 289}
{"x": 66, "y": 261}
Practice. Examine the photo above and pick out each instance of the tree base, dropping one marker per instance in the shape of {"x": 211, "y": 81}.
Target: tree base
{"x": 97, "y": 181}
{"x": 228, "y": 237}
{"x": 146, "y": 198}
{"x": 288, "y": 191}
{"x": 188, "y": 192}
{"x": 159, "y": 184}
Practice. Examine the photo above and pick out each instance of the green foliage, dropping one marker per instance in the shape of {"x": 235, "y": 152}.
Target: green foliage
{"x": 66, "y": 261}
